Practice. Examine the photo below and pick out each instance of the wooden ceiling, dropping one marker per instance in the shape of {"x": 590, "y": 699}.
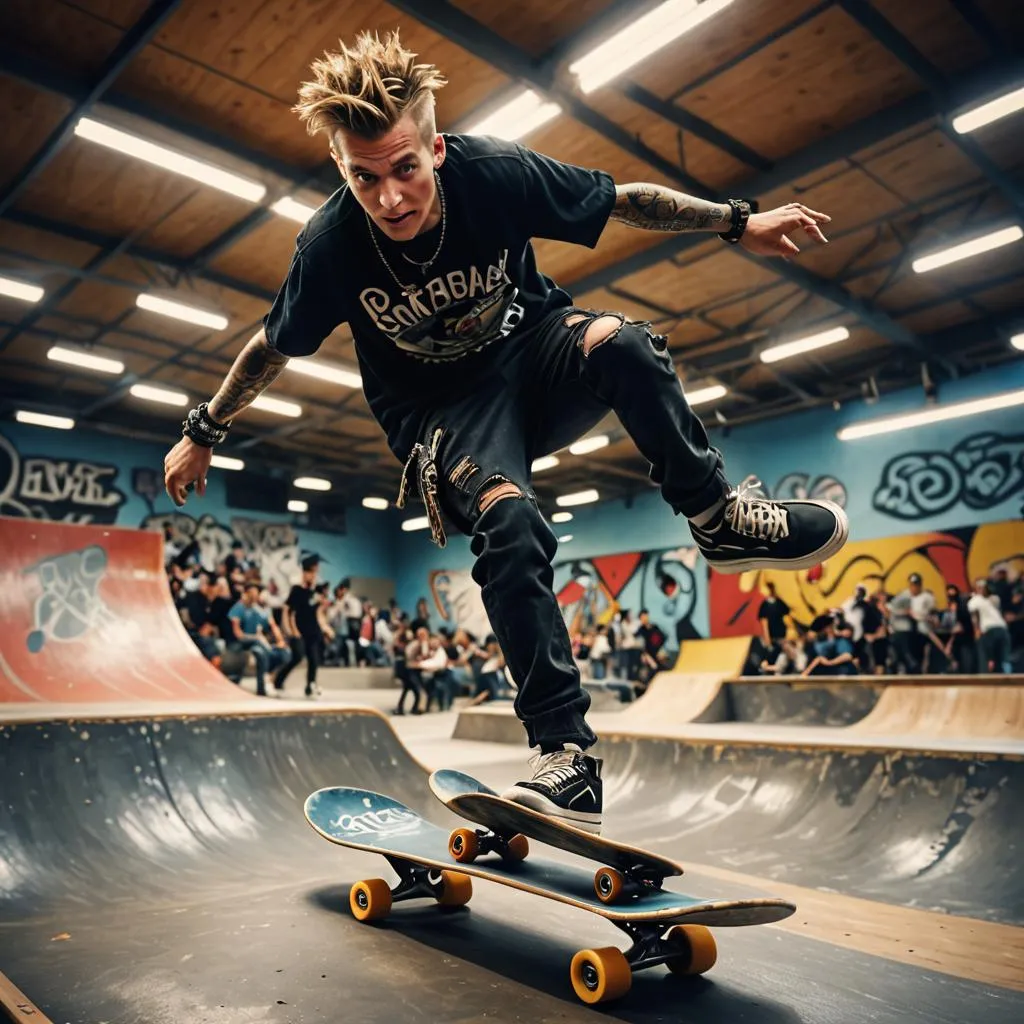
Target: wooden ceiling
{"x": 844, "y": 104}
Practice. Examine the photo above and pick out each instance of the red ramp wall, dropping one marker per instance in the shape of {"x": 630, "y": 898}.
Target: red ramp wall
{"x": 86, "y": 615}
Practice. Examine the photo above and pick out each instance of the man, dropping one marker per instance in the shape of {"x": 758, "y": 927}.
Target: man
{"x": 990, "y": 630}
{"x": 833, "y": 654}
{"x": 304, "y": 627}
{"x": 772, "y": 616}
{"x": 475, "y": 363}
{"x": 349, "y": 611}
{"x": 251, "y": 624}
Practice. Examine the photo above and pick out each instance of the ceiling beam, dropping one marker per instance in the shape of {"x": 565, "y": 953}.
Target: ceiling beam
{"x": 883, "y": 30}
{"x": 132, "y": 43}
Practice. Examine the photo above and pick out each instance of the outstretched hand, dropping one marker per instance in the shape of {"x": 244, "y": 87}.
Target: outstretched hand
{"x": 767, "y": 233}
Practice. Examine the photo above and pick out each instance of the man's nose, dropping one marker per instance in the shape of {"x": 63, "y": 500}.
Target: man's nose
{"x": 390, "y": 198}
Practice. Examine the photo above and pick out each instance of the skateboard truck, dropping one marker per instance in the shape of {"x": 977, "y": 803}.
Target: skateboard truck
{"x": 372, "y": 899}
{"x": 466, "y": 844}
{"x": 612, "y": 885}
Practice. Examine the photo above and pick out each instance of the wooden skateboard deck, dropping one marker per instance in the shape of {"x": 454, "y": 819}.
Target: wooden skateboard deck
{"x": 418, "y": 851}
{"x": 471, "y": 799}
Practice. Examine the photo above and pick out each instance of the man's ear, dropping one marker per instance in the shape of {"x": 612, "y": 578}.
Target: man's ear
{"x": 440, "y": 150}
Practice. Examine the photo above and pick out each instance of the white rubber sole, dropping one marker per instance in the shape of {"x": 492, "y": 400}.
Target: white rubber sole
{"x": 827, "y": 550}
{"x": 588, "y": 822}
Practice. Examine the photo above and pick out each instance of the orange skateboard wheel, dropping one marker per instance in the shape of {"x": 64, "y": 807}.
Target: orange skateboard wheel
{"x": 600, "y": 975}
{"x": 517, "y": 849}
{"x": 698, "y": 950}
{"x": 370, "y": 900}
{"x": 464, "y": 845}
{"x": 609, "y": 884}
{"x": 456, "y": 889}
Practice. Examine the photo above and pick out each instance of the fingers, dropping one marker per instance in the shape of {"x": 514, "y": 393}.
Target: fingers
{"x": 787, "y": 247}
{"x": 201, "y": 486}
{"x": 821, "y": 218}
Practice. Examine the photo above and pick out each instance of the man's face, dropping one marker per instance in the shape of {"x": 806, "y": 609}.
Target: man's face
{"x": 392, "y": 177}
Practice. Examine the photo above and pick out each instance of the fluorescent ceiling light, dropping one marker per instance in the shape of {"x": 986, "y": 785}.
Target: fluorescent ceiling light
{"x": 227, "y": 462}
{"x": 808, "y": 344}
{"x": 565, "y": 538}
{"x": 520, "y": 116}
{"x": 936, "y": 414}
{"x": 419, "y": 523}
{"x": 181, "y": 311}
{"x": 326, "y": 371}
{"x": 41, "y": 419}
{"x": 293, "y": 209}
{"x": 15, "y": 289}
{"x": 562, "y": 517}
{"x": 589, "y": 444}
{"x": 1017, "y": 341}
{"x": 544, "y": 462}
{"x": 298, "y": 505}
{"x": 376, "y": 503}
{"x": 312, "y": 483}
{"x": 972, "y": 247}
{"x": 154, "y": 394}
{"x": 277, "y": 405}
{"x": 1009, "y": 103}
{"x": 644, "y": 36}
{"x": 709, "y": 394}
{"x": 577, "y": 498}
{"x": 88, "y": 361}
{"x": 169, "y": 159}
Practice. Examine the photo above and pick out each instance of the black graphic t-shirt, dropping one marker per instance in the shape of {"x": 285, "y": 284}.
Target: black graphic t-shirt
{"x": 303, "y": 602}
{"x": 482, "y": 291}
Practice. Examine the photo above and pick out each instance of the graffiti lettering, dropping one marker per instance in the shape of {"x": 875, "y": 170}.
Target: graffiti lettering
{"x": 68, "y": 490}
{"x": 802, "y": 486}
{"x": 982, "y": 471}
{"x": 389, "y": 821}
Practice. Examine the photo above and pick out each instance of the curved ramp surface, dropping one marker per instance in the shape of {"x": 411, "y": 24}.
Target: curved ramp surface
{"x": 160, "y": 870}
{"x": 87, "y": 616}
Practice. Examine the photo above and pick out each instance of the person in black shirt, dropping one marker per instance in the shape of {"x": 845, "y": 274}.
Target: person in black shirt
{"x": 772, "y": 615}
{"x": 302, "y": 627}
{"x": 475, "y": 363}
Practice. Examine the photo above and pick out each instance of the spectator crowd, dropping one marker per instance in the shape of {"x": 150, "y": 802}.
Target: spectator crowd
{"x": 908, "y": 633}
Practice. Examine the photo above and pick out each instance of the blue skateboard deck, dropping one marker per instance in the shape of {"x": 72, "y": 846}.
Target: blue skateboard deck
{"x": 666, "y": 927}
{"x": 471, "y": 799}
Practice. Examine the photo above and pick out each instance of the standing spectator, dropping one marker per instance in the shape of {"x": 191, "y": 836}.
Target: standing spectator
{"x": 350, "y": 612}
{"x": 631, "y": 647}
{"x": 384, "y": 637}
{"x": 958, "y": 627}
{"x": 907, "y": 641}
{"x": 772, "y": 616}
{"x": 303, "y": 627}
{"x": 922, "y": 605}
{"x": 1013, "y": 613}
{"x": 1000, "y": 586}
{"x": 876, "y": 630}
{"x": 600, "y": 653}
{"x": 855, "y": 609}
{"x": 251, "y": 624}
{"x": 422, "y": 617}
{"x": 404, "y": 639}
{"x": 990, "y": 630}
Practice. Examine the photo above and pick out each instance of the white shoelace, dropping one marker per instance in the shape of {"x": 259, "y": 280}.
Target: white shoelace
{"x": 750, "y": 513}
{"x": 551, "y": 770}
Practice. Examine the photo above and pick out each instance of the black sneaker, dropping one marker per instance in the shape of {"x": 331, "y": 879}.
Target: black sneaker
{"x": 566, "y": 785}
{"x": 753, "y": 532}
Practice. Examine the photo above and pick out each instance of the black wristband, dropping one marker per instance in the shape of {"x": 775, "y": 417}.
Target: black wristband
{"x": 202, "y": 429}
{"x": 740, "y": 215}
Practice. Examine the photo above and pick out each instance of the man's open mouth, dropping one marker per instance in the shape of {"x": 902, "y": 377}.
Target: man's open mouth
{"x": 400, "y": 219}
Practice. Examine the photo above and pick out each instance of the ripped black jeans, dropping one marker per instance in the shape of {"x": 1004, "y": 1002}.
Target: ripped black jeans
{"x": 544, "y": 396}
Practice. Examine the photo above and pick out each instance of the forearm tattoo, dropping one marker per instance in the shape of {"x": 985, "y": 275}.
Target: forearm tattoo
{"x": 255, "y": 369}
{"x": 657, "y": 208}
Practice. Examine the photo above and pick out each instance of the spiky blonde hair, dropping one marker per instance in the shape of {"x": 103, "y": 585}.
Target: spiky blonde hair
{"x": 368, "y": 87}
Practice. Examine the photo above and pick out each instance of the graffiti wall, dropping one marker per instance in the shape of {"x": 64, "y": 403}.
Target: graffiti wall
{"x": 956, "y": 556}
{"x": 671, "y": 583}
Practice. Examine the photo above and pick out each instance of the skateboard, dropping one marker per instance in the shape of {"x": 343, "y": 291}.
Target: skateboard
{"x": 625, "y": 870}
{"x": 665, "y": 927}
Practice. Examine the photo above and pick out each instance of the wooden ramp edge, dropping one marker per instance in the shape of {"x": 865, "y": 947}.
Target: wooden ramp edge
{"x": 689, "y": 690}
{"x": 961, "y": 712}
{"x": 16, "y": 1006}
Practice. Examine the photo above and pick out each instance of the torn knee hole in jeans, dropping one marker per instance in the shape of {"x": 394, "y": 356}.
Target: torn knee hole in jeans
{"x": 497, "y": 488}
{"x": 590, "y": 330}
{"x": 464, "y": 469}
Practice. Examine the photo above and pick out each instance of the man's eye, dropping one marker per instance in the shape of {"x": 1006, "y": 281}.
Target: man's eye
{"x": 407, "y": 168}
{"x": 364, "y": 177}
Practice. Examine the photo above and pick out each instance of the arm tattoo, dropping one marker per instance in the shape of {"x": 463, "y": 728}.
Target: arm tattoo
{"x": 658, "y": 208}
{"x": 255, "y": 369}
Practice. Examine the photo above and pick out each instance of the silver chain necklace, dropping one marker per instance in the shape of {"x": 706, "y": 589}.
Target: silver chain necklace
{"x": 410, "y": 291}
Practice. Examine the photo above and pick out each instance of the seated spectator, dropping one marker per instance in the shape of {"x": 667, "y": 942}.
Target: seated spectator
{"x": 198, "y": 596}
{"x": 491, "y": 682}
{"x": 425, "y": 661}
{"x": 875, "y": 623}
{"x": 251, "y": 625}
{"x": 384, "y": 637}
{"x": 422, "y": 616}
{"x": 789, "y": 659}
{"x": 833, "y": 655}
{"x": 990, "y": 630}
